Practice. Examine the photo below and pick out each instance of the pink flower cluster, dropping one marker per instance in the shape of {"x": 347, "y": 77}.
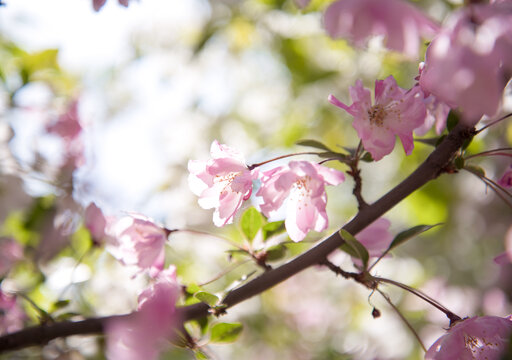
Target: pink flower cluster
{"x": 144, "y": 333}
{"x": 225, "y": 181}
{"x": 98, "y": 4}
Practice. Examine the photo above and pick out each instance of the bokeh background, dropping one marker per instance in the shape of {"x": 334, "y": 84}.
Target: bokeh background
{"x": 155, "y": 84}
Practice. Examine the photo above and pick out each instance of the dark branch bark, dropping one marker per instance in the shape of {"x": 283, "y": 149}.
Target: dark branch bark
{"x": 430, "y": 169}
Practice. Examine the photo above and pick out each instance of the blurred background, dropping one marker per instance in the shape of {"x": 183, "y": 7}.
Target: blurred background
{"x": 151, "y": 86}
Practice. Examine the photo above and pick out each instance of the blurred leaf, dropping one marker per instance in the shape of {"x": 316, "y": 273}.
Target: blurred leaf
{"x": 354, "y": 248}
{"x": 273, "y": 228}
{"x": 475, "y": 169}
{"x": 207, "y": 298}
{"x": 67, "y": 315}
{"x": 405, "y": 235}
{"x": 314, "y": 144}
{"x": 459, "y": 162}
{"x": 59, "y": 305}
{"x": 276, "y": 252}
{"x": 225, "y": 332}
{"x": 367, "y": 157}
{"x": 251, "y": 222}
{"x": 429, "y": 141}
{"x": 200, "y": 355}
{"x": 452, "y": 120}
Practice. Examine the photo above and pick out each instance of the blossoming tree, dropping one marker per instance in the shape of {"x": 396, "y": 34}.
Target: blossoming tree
{"x": 278, "y": 232}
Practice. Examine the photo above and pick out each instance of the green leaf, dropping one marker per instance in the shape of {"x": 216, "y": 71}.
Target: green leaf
{"x": 273, "y": 228}
{"x": 354, "y": 248}
{"x": 409, "y": 233}
{"x": 459, "y": 162}
{"x": 477, "y": 170}
{"x": 315, "y": 144}
{"x": 452, "y": 120}
{"x": 207, "y": 298}
{"x": 429, "y": 141}
{"x": 225, "y": 332}
{"x": 200, "y": 355}
{"x": 251, "y": 222}
{"x": 59, "y": 305}
{"x": 276, "y": 252}
{"x": 367, "y": 157}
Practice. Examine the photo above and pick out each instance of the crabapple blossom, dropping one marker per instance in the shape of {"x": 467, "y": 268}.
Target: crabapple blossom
{"x": 303, "y": 183}
{"x": 143, "y": 334}
{"x": 506, "y": 180}
{"x": 11, "y": 314}
{"x": 400, "y": 23}
{"x": 222, "y": 183}
{"x": 468, "y": 64}
{"x": 10, "y": 253}
{"x": 139, "y": 241}
{"x": 476, "y": 338}
{"x": 95, "y": 222}
{"x": 396, "y": 112}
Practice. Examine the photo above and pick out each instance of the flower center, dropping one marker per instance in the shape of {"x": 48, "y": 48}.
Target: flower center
{"x": 376, "y": 114}
{"x": 227, "y": 180}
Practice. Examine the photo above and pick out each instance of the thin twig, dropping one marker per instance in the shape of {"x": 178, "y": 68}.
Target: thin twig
{"x": 494, "y": 152}
{"x": 493, "y": 123}
{"x": 386, "y": 297}
{"x": 250, "y": 167}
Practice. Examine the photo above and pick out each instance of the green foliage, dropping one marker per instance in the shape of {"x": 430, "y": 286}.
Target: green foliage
{"x": 225, "y": 332}
{"x": 273, "y": 228}
{"x": 405, "y": 235}
{"x": 207, "y": 298}
{"x": 251, "y": 222}
{"x": 276, "y": 252}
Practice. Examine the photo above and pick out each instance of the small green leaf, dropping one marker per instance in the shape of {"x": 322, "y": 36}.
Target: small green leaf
{"x": 315, "y": 144}
{"x": 200, "y": 355}
{"x": 276, "y": 252}
{"x": 409, "y": 233}
{"x": 429, "y": 141}
{"x": 354, "y": 248}
{"x": 452, "y": 120}
{"x": 207, "y": 298}
{"x": 459, "y": 162}
{"x": 67, "y": 316}
{"x": 367, "y": 157}
{"x": 251, "y": 222}
{"x": 59, "y": 305}
{"x": 225, "y": 332}
{"x": 467, "y": 142}
{"x": 477, "y": 170}
{"x": 273, "y": 228}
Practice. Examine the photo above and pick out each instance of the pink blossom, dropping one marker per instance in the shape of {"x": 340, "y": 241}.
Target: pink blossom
{"x": 376, "y": 237}
{"x": 506, "y": 180}
{"x": 476, "y": 338}
{"x": 468, "y": 62}
{"x": 95, "y": 222}
{"x": 10, "y": 253}
{"x": 505, "y": 257}
{"x": 98, "y": 4}
{"x": 396, "y": 112}
{"x": 11, "y": 314}
{"x": 140, "y": 241}
{"x": 222, "y": 183}
{"x": 143, "y": 334}
{"x": 303, "y": 183}
{"x": 400, "y": 23}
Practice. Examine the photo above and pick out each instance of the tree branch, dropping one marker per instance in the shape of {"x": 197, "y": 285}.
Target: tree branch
{"x": 430, "y": 169}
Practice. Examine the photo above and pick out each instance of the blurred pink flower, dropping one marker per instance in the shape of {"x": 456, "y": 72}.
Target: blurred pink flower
{"x": 302, "y": 3}
{"x": 10, "y": 253}
{"x": 376, "y": 237}
{"x": 437, "y": 110}
{"x": 469, "y": 62}
{"x": 223, "y": 182}
{"x": 476, "y": 338}
{"x": 69, "y": 129}
{"x": 506, "y": 180}
{"x": 303, "y": 183}
{"x": 140, "y": 241}
{"x": 95, "y": 222}
{"x": 396, "y": 112}
{"x": 98, "y": 4}
{"x": 399, "y": 22}
{"x": 11, "y": 314}
{"x": 143, "y": 334}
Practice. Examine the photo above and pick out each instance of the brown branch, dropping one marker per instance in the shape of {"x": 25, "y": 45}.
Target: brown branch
{"x": 430, "y": 169}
